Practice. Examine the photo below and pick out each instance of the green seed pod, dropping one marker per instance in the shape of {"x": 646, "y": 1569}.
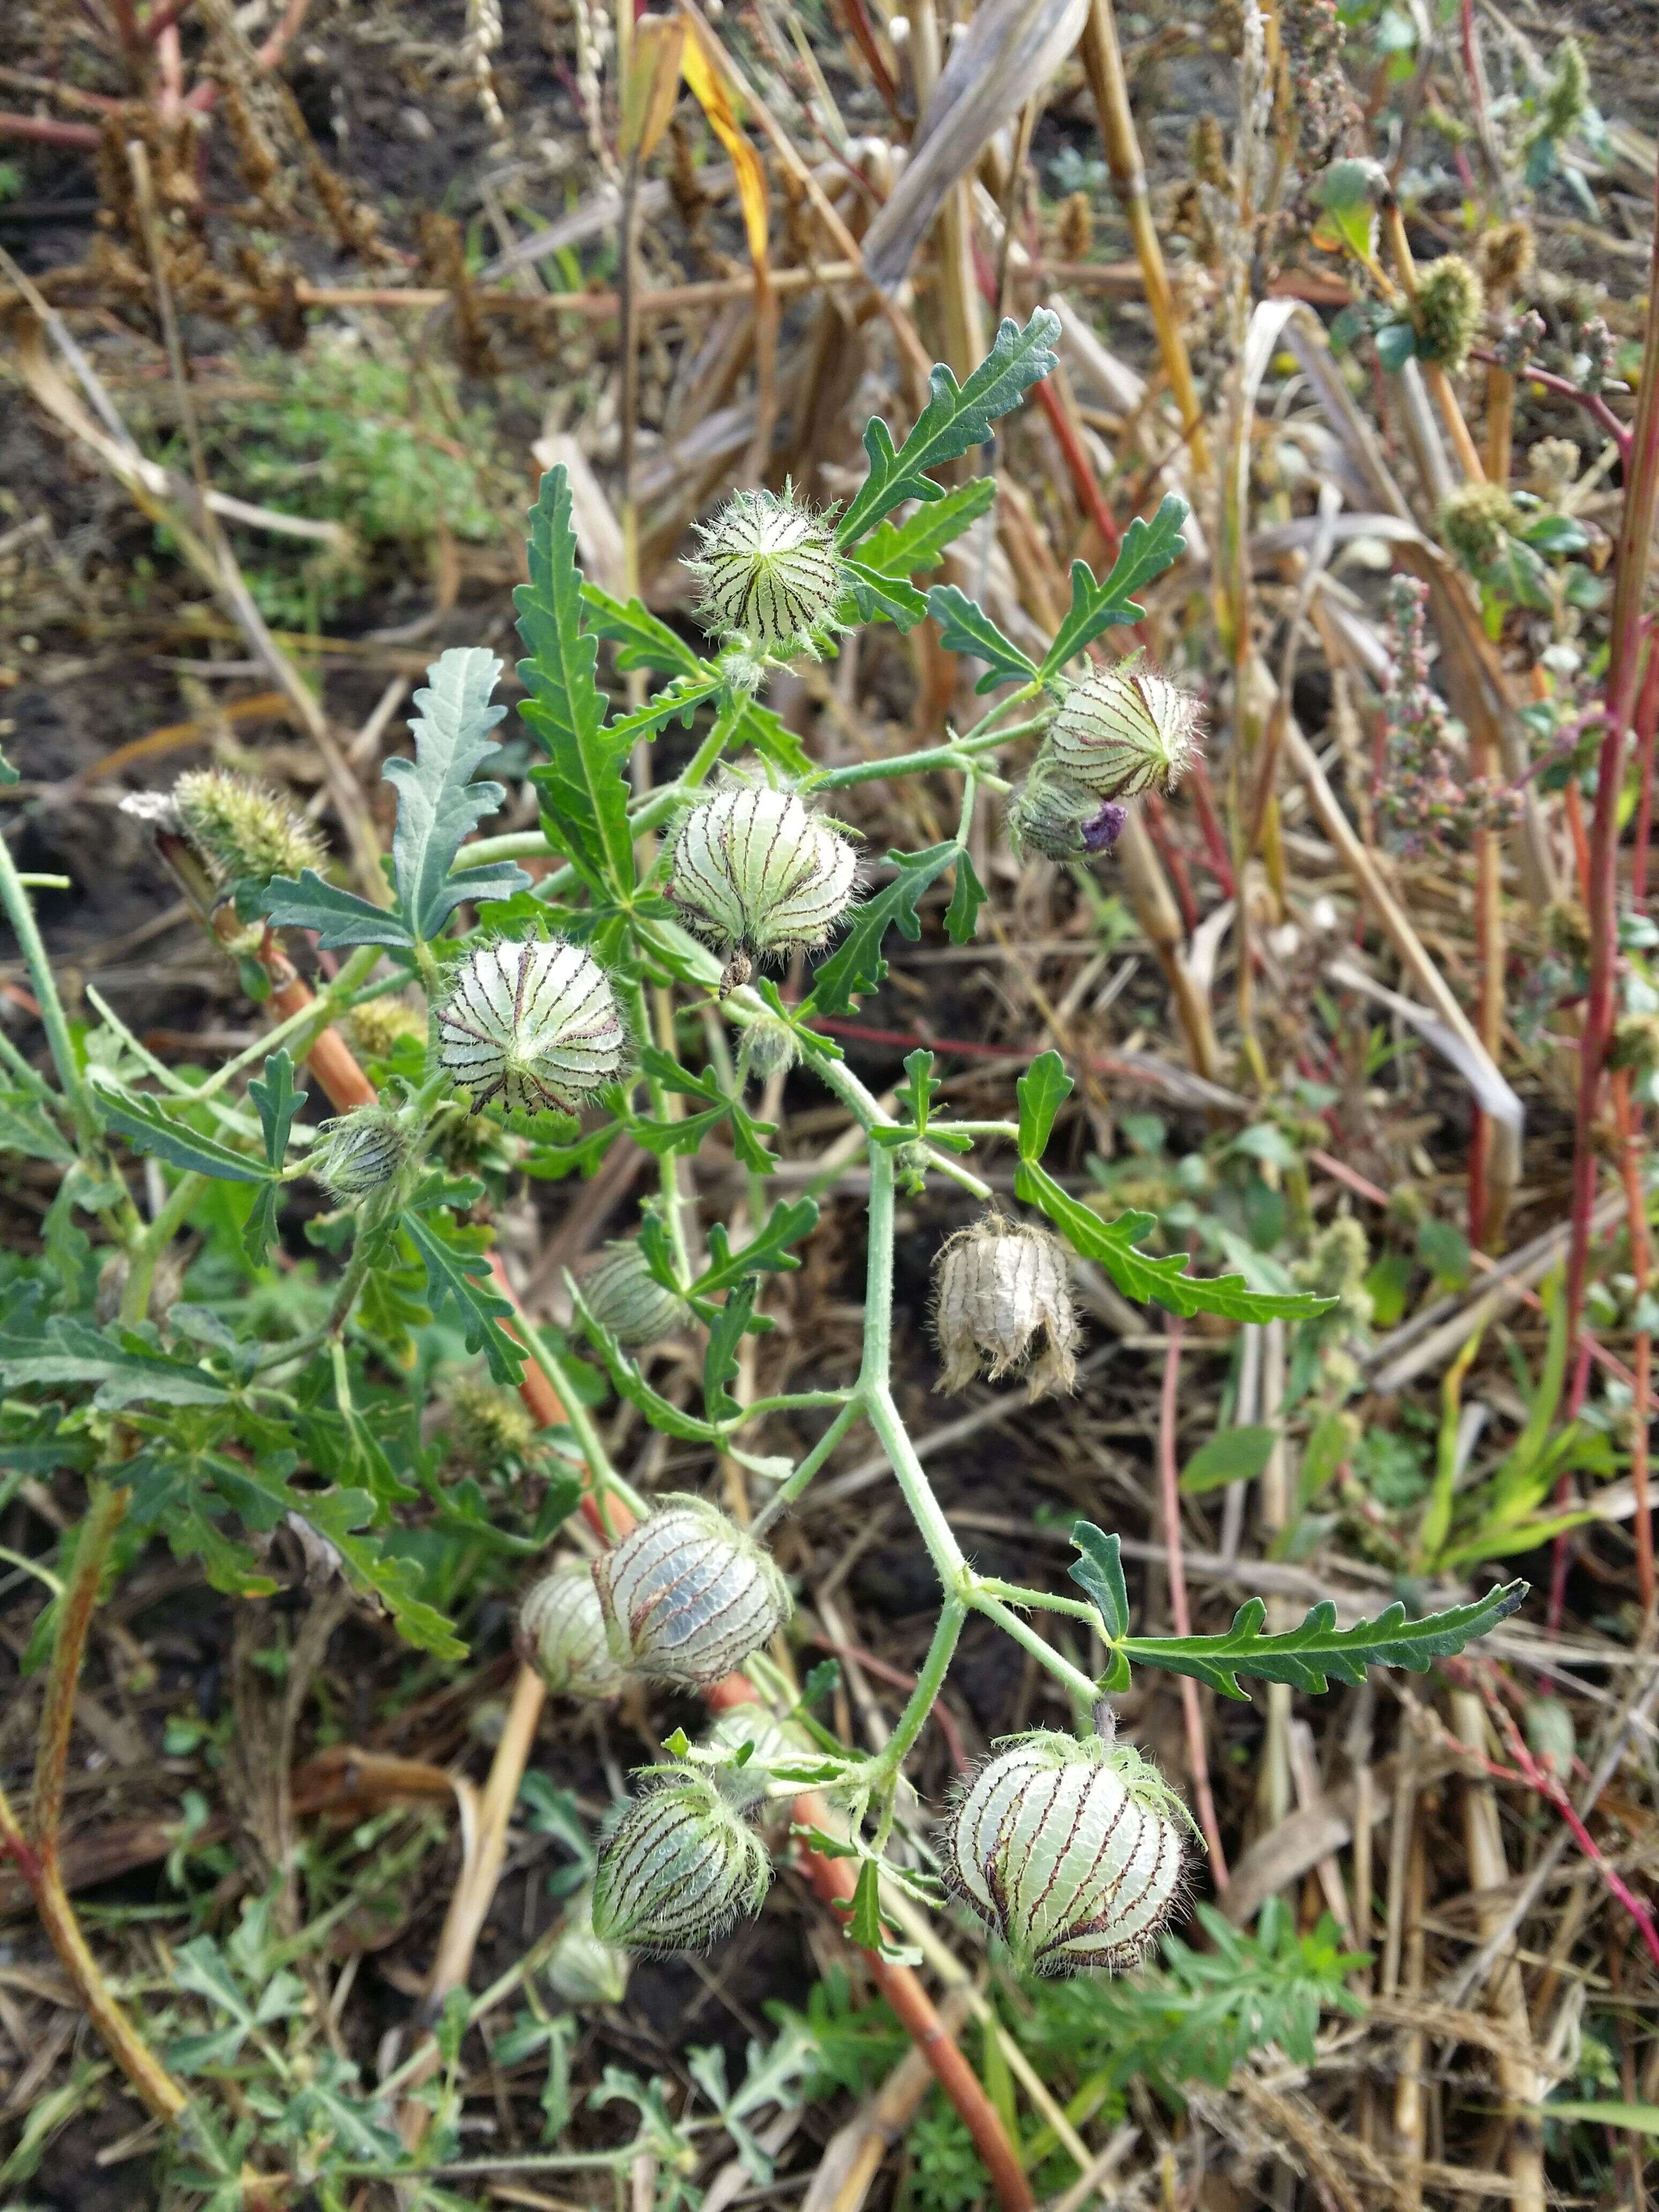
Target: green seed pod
{"x": 242, "y": 829}
{"x": 1122, "y": 730}
{"x": 1071, "y": 1850}
{"x": 562, "y": 1634}
{"x": 362, "y": 1154}
{"x": 768, "y": 1049}
{"x": 1475, "y": 522}
{"x": 772, "y": 1742}
{"x": 770, "y": 572}
{"x": 533, "y": 1024}
{"x": 758, "y": 875}
{"x": 1001, "y": 1293}
{"x": 677, "y": 1866}
{"x": 687, "y": 1596}
{"x": 1058, "y": 819}
{"x": 1447, "y": 311}
{"x": 581, "y": 1968}
{"x": 488, "y": 1428}
{"x": 623, "y": 1296}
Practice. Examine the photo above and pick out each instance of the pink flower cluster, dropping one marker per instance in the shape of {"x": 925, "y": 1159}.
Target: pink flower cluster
{"x": 1427, "y": 796}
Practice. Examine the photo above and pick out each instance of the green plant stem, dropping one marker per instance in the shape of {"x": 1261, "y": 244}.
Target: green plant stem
{"x": 929, "y": 1683}
{"x": 785, "y": 1496}
{"x": 20, "y": 912}
{"x": 1043, "y": 1600}
{"x": 668, "y": 1164}
{"x": 956, "y": 752}
{"x": 582, "y": 1426}
{"x": 144, "y": 1256}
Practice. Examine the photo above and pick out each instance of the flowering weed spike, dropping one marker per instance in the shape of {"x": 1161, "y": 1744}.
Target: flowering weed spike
{"x": 533, "y": 1024}
{"x": 562, "y": 1634}
{"x": 1069, "y": 1850}
{"x": 1002, "y": 1297}
{"x": 770, "y": 572}
{"x": 1475, "y": 519}
{"x": 1447, "y": 311}
{"x": 677, "y": 1866}
{"x": 687, "y": 1595}
{"x": 243, "y": 830}
{"x": 1123, "y": 731}
{"x": 488, "y": 1429}
{"x": 760, "y": 875}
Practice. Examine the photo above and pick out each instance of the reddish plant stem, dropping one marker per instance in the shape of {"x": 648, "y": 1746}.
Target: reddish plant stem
{"x": 1635, "y": 544}
{"x": 47, "y": 131}
{"x": 1592, "y": 402}
{"x": 1641, "y": 1260}
{"x": 1198, "y": 1757}
{"x": 163, "y": 16}
{"x": 1647, "y": 725}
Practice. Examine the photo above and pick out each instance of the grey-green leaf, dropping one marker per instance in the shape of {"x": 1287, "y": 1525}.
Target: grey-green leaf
{"x": 439, "y": 803}
{"x": 339, "y": 917}
{"x": 140, "y": 1120}
{"x": 965, "y": 627}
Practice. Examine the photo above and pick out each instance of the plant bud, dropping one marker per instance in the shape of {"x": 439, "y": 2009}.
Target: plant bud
{"x": 1122, "y": 730}
{"x": 1447, "y": 311}
{"x": 1000, "y": 1290}
{"x": 533, "y": 1024}
{"x": 362, "y": 1154}
{"x": 758, "y": 874}
{"x": 488, "y": 1428}
{"x": 1061, "y": 821}
{"x": 677, "y": 1866}
{"x": 687, "y": 1596}
{"x": 242, "y": 830}
{"x": 562, "y": 1634}
{"x": 581, "y": 1968}
{"x": 768, "y": 1049}
{"x": 770, "y": 572}
{"x": 1070, "y": 1850}
{"x": 623, "y": 1296}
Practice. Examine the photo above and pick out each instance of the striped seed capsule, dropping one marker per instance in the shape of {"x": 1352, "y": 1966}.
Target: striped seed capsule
{"x": 758, "y": 874}
{"x": 1062, "y": 820}
{"x": 623, "y": 1296}
{"x": 581, "y": 1968}
{"x": 1123, "y": 731}
{"x": 770, "y": 572}
{"x": 1069, "y": 1849}
{"x": 562, "y": 1634}
{"x": 532, "y": 1024}
{"x": 678, "y": 1865}
{"x": 360, "y": 1154}
{"x": 1002, "y": 1296}
{"x": 687, "y": 1596}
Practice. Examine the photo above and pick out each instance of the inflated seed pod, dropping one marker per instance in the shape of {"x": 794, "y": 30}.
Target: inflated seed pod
{"x": 687, "y": 1595}
{"x": 532, "y": 1024}
{"x": 1002, "y": 1296}
{"x": 562, "y": 1634}
{"x": 1050, "y": 814}
{"x": 242, "y": 830}
{"x": 581, "y": 1967}
{"x": 623, "y": 1296}
{"x": 1069, "y": 1850}
{"x": 360, "y": 1154}
{"x": 769, "y": 570}
{"x": 1122, "y": 730}
{"x": 678, "y": 1865}
{"x": 758, "y": 874}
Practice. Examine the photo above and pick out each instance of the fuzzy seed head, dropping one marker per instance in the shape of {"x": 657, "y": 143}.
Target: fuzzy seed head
{"x": 242, "y": 830}
{"x": 623, "y": 1296}
{"x": 1635, "y": 1043}
{"x": 759, "y": 875}
{"x": 770, "y": 572}
{"x": 677, "y": 1866}
{"x": 1070, "y": 1850}
{"x": 1566, "y": 97}
{"x": 687, "y": 1596}
{"x": 362, "y": 1154}
{"x": 1552, "y": 466}
{"x": 378, "y": 1025}
{"x": 1447, "y": 311}
{"x": 533, "y": 1024}
{"x": 1058, "y": 819}
{"x": 581, "y": 1968}
{"x": 1123, "y": 731}
{"x": 488, "y": 1428}
{"x": 1505, "y": 256}
{"x": 1002, "y": 1298}
{"x": 562, "y": 1634}
{"x": 1475, "y": 521}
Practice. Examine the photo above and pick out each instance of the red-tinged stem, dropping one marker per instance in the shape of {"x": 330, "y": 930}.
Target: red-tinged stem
{"x": 47, "y": 131}
{"x": 269, "y": 55}
{"x": 163, "y": 16}
{"x": 1635, "y": 543}
{"x": 1198, "y": 1756}
{"x": 1641, "y": 1260}
{"x": 1647, "y": 727}
{"x": 1158, "y": 829}
{"x": 1592, "y": 402}
{"x": 1209, "y": 824}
